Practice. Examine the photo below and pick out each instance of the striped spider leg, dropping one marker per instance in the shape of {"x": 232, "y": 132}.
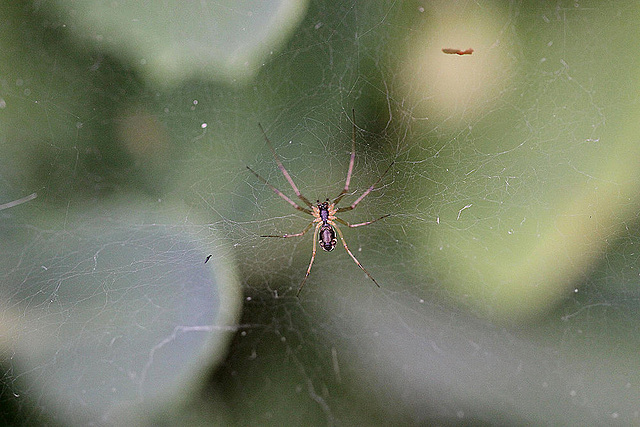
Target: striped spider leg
{"x": 323, "y": 213}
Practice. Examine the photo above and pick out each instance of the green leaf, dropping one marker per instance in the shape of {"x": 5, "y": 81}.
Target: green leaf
{"x": 172, "y": 41}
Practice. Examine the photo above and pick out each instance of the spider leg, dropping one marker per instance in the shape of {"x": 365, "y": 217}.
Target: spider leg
{"x": 343, "y": 222}
{"x": 353, "y": 156}
{"x": 350, "y": 254}
{"x": 294, "y": 235}
{"x": 281, "y": 194}
{"x": 359, "y": 199}
{"x": 284, "y": 171}
{"x": 313, "y": 257}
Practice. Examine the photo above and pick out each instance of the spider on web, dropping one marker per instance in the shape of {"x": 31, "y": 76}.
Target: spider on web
{"x": 323, "y": 213}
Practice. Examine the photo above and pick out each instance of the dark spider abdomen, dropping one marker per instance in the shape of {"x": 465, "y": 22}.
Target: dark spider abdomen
{"x": 327, "y": 238}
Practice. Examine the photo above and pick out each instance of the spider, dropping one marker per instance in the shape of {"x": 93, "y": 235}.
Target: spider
{"x": 323, "y": 213}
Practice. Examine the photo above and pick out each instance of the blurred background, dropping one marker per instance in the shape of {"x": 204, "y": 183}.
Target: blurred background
{"x": 508, "y": 264}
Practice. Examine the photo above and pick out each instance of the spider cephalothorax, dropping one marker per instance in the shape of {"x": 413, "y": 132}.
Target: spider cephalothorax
{"x": 323, "y": 213}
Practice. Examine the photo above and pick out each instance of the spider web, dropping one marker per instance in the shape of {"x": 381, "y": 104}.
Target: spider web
{"x": 508, "y": 266}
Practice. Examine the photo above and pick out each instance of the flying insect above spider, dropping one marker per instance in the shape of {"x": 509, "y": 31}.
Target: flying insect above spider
{"x": 323, "y": 213}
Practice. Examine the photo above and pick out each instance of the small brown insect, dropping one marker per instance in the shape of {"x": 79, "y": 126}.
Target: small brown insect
{"x": 451, "y": 51}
